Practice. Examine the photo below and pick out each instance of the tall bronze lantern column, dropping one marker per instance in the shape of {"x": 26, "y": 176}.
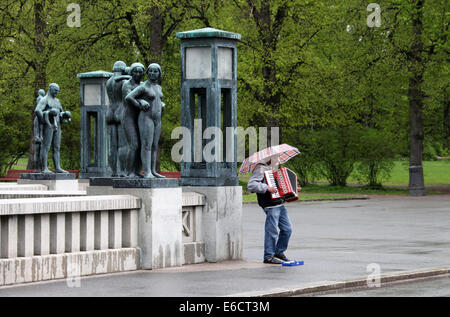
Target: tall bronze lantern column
{"x": 209, "y": 99}
{"x": 94, "y": 144}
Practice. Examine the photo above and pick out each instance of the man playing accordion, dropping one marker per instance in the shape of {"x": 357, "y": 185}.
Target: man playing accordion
{"x": 275, "y": 243}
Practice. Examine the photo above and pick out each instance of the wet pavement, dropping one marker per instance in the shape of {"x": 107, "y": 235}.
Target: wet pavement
{"x": 338, "y": 240}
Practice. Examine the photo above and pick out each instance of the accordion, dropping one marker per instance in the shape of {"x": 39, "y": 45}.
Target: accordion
{"x": 285, "y": 181}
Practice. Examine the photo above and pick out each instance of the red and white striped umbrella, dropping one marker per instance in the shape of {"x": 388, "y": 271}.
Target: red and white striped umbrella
{"x": 284, "y": 152}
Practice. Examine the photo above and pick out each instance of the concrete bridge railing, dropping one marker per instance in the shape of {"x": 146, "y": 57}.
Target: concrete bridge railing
{"x": 48, "y": 238}
{"x": 51, "y": 236}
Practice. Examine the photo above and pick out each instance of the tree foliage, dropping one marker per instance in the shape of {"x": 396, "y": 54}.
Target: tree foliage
{"x": 313, "y": 68}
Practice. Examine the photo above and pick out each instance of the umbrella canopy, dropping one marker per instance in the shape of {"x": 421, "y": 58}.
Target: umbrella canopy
{"x": 284, "y": 152}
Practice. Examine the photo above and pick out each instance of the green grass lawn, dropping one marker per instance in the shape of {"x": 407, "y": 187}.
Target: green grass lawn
{"x": 21, "y": 164}
{"x": 362, "y": 190}
{"x": 252, "y": 197}
{"x": 434, "y": 173}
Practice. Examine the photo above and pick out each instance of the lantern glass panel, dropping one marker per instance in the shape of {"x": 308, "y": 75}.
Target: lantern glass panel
{"x": 225, "y": 63}
{"x": 106, "y": 99}
{"x": 198, "y": 62}
{"x": 92, "y": 95}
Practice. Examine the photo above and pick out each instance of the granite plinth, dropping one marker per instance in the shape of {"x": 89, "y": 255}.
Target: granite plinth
{"x": 48, "y": 177}
{"x": 101, "y": 181}
{"x": 209, "y": 181}
{"x": 145, "y": 183}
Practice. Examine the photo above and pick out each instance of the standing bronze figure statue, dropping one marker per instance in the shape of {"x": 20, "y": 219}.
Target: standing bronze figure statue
{"x": 147, "y": 98}
{"x": 50, "y": 115}
{"x": 130, "y": 122}
{"x": 117, "y": 141}
{"x": 38, "y": 133}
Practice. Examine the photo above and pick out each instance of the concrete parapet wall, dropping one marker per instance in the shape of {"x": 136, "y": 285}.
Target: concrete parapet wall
{"x": 16, "y": 194}
{"x": 60, "y": 184}
{"x": 26, "y": 187}
{"x": 59, "y": 237}
{"x": 69, "y": 265}
{"x": 65, "y": 204}
{"x": 170, "y": 225}
{"x": 197, "y": 225}
{"x": 44, "y": 226}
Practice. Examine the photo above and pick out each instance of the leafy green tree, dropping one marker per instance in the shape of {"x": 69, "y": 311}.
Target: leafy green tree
{"x": 27, "y": 27}
{"x": 13, "y": 141}
{"x": 419, "y": 31}
{"x": 311, "y": 68}
{"x": 336, "y": 152}
{"x": 376, "y": 154}
{"x": 275, "y": 36}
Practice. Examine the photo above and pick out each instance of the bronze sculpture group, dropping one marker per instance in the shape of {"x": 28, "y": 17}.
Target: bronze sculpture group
{"x": 134, "y": 120}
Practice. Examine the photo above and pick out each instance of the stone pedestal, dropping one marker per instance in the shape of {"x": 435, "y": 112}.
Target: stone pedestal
{"x": 58, "y": 182}
{"x": 100, "y": 181}
{"x": 145, "y": 182}
{"x": 221, "y": 222}
{"x": 160, "y": 240}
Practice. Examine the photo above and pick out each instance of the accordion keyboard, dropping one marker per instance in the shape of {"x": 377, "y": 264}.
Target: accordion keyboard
{"x": 285, "y": 182}
{"x": 272, "y": 182}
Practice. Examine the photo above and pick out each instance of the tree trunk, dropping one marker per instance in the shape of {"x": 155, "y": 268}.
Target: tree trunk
{"x": 415, "y": 97}
{"x": 40, "y": 66}
{"x": 447, "y": 120}
{"x": 271, "y": 95}
{"x": 156, "y": 35}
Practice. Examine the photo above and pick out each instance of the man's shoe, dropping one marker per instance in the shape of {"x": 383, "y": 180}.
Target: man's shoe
{"x": 282, "y": 257}
{"x": 273, "y": 260}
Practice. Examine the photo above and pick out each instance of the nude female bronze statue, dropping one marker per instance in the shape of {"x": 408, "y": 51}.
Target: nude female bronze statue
{"x": 147, "y": 98}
